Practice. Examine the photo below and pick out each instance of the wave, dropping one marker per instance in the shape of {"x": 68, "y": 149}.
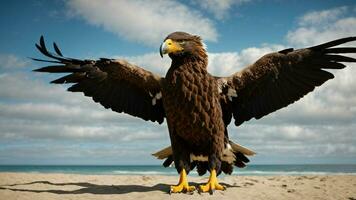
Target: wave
{"x": 257, "y": 170}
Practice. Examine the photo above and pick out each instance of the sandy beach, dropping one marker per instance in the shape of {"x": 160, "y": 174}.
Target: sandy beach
{"x": 43, "y": 186}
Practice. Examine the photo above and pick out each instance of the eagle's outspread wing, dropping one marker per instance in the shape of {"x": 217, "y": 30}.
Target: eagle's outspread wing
{"x": 115, "y": 84}
{"x": 279, "y": 79}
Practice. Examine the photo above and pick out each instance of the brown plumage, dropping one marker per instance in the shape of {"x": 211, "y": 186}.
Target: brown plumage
{"x": 279, "y": 79}
{"x": 191, "y": 102}
{"x": 198, "y": 107}
{"x": 115, "y": 84}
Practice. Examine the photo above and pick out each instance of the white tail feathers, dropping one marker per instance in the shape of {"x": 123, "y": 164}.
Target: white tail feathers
{"x": 238, "y": 148}
{"x": 164, "y": 153}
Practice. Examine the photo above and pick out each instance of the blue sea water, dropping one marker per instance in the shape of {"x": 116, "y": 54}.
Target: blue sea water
{"x": 255, "y": 170}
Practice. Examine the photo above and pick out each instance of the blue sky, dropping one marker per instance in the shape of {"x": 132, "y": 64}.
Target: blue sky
{"x": 43, "y": 124}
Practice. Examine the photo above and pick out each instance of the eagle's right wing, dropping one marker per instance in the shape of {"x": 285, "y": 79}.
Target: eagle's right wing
{"x": 279, "y": 79}
{"x": 115, "y": 84}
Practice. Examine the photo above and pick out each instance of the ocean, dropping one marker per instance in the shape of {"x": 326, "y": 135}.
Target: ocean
{"x": 251, "y": 170}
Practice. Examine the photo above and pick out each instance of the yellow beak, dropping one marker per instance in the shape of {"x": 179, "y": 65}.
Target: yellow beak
{"x": 169, "y": 46}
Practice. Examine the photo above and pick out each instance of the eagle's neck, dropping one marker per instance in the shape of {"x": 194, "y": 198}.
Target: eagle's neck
{"x": 186, "y": 63}
{"x": 198, "y": 59}
{"x": 183, "y": 67}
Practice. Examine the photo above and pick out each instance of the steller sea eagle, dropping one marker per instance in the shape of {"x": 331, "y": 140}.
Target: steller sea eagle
{"x": 197, "y": 106}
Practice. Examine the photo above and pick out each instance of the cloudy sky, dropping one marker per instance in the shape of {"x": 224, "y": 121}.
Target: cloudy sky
{"x": 43, "y": 124}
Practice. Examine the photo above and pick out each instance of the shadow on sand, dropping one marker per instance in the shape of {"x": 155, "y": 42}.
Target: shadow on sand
{"x": 90, "y": 188}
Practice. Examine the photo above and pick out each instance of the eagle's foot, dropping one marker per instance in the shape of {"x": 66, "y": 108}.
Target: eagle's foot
{"x": 212, "y": 184}
{"x": 185, "y": 188}
{"x": 183, "y": 185}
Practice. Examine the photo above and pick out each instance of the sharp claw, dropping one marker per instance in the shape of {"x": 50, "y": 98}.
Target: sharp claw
{"x": 211, "y": 192}
{"x": 183, "y": 186}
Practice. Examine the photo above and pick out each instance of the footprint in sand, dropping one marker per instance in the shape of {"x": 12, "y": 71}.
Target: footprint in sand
{"x": 291, "y": 190}
{"x": 248, "y": 184}
{"x": 146, "y": 178}
{"x": 253, "y": 180}
{"x": 323, "y": 179}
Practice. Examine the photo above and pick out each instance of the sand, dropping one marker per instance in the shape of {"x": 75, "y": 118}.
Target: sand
{"x": 41, "y": 186}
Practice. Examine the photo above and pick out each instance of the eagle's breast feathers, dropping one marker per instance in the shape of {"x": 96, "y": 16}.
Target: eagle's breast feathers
{"x": 191, "y": 101}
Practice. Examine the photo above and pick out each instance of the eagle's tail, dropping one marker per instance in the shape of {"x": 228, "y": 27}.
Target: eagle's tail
{"x": 164, "y": 153}
{"x": 238, "y": 148}
{"x": 239, "y": 151}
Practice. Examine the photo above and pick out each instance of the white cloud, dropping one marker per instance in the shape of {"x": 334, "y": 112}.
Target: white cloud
{"x": 150, "y": 61}
{"x": 21, "y": 87}
{"x": 224, "y": 64}
{"x": 227, "y": 63}
{"x": 143, "y": 21}
{"x": 219, "y": 8}
{"x": 322, "y": 17}
{"x": 33, "y": 109}
{"x": 12, "y": 62}
{"x": 80, "y": 152}
{"x": 321, "y": 26}
{"x": 296, "y": 140}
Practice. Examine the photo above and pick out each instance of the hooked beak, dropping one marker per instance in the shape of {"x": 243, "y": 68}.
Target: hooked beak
{"x": 163, "y": 49}
{"x": 169, "y": 46}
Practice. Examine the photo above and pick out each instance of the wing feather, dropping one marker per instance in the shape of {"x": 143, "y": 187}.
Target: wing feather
{"x": 57, "y": 49}
{"x": 115, "y": 84}
{"x": 279, "y": 79}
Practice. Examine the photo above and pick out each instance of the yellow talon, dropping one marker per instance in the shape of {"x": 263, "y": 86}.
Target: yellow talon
{"x": 183, "y": 185}
{"x": 212, "y": 184}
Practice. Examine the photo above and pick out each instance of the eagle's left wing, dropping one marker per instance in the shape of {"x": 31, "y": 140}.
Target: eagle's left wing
{"x": 115, "y": 84}
{"x": 279, "y": 79}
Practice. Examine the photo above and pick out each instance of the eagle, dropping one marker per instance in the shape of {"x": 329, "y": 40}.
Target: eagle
{"x": 197, "y": 106}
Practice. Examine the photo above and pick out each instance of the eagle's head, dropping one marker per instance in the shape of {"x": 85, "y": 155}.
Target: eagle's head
{"x": 181, "y": 44}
